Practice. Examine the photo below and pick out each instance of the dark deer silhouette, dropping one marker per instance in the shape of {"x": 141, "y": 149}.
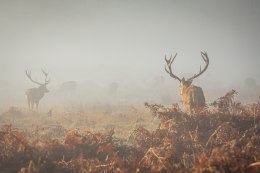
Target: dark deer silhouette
{"x": 34, "y": 95}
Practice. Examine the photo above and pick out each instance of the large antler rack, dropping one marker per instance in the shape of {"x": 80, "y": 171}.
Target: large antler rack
{"x": 28, "y": 74}
{"x": 47, "y": 81}
{"x": 168, "y": 69}
{"x": 206, "y": 60}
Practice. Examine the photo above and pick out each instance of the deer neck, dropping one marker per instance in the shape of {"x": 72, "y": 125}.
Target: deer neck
{"x": 41, "y": 91}
{"x": 184, "y": 89}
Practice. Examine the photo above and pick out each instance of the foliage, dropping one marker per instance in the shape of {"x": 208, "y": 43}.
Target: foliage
{"x": 221, "y": 140}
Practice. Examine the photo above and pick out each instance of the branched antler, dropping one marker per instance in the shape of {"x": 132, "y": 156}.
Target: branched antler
{"x": 206, "y": 60}
{"x": 46, "y": 81}
{"x": 168, "y": 69}
{"x": 28, "y": 74}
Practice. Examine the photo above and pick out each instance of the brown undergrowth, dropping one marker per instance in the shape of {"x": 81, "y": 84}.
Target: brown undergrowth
{"x": 225, "y": 138}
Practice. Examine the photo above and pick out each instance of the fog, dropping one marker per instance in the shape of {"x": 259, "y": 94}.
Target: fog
{"x": 98, "y": 43}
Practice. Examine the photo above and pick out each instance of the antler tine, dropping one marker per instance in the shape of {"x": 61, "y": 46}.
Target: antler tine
{"x": 205, "y": 58}
{"x": 169, "y": 69}
{"x": 167, "y": 60}
{"x": 28, "y": 74}
{"x": 170, "y": 60}
{"x": 173, "y": 57}
{"x": 46, "y": 75}
{"x": 165, "y": 68}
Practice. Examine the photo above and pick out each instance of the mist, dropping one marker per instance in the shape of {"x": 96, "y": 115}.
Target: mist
{"x": 98, "y": 43}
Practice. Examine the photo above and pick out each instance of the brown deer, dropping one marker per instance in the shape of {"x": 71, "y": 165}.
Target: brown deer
{"x": 192, "y": 96}
{"x": 34, "y": 95}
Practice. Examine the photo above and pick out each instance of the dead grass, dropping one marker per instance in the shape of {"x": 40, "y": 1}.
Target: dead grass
{"x": 223, "y": 137}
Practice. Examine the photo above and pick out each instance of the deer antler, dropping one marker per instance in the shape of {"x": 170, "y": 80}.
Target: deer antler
{"x": 46, "y": 75}
{"x": 28, "y": 74}
{"x": 206, "y": 60}
{"x": 169, "y": 69}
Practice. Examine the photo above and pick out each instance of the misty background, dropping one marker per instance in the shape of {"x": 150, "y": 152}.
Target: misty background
{"x": 114, "y": 50}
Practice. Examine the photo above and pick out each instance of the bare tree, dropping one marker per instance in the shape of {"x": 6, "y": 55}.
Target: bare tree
{"x": 34, "y": 95}
{"x": 192, "y": 96}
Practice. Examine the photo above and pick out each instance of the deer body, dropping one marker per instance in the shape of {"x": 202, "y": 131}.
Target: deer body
{"x": 192, "y": 96}
{"x": 34, "y": 95}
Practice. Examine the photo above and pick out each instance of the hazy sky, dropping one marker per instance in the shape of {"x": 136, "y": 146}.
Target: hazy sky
{"x": 128, "y": 39}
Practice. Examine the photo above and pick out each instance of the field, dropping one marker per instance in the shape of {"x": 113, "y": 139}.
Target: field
{"x": 223, "y": 137}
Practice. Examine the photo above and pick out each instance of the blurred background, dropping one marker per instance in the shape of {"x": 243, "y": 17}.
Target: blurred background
{"x": 113, "y": 51}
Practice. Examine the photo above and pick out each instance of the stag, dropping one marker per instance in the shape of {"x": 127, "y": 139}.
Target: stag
{"x": 192, "y": 96}
{"x": 34, "y": 95}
